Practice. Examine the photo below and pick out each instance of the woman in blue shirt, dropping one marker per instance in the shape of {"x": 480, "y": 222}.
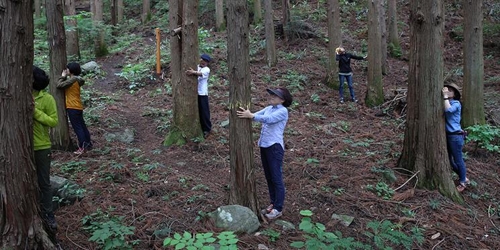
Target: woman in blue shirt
{"x": 272, "y": 147}
{"x": 454, "y": 132}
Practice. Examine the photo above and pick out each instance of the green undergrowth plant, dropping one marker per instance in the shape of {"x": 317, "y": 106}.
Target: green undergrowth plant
{"x": 484, "y": 136}
{"x": 316, "y": 237}
{"x": 207, "y": 241}
{"x": 386, "y": 235}
{"x": 381, "y": 189}
{"x": 108, "y": 231}
{"x": 271, "y": 234}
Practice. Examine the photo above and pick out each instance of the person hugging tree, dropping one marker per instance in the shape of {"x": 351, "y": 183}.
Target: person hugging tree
{"x": 345, "y": 71}
{"x": 44, "y": 117}
{"x": 71, "y": 82}
{"x": 272, "y": 147}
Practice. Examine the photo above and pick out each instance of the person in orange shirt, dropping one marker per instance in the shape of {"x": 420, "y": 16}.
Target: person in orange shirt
{"x": 71, "y": 82}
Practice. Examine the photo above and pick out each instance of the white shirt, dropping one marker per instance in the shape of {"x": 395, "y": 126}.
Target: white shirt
{"x": 203, "y": 80}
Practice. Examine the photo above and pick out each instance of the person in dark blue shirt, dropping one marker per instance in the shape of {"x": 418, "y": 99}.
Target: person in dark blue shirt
{"x": 272, "y": 147}
{"x": 345, "y": 71}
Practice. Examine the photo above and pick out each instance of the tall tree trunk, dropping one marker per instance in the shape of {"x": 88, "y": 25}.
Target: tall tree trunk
{"x": 383, "y": 37}
{"x": 38, "y": 7}
{"x": 270, "y": 39}
{"x": 219, "y": 15}
{"x": 20, "y": 223}
{"x": 375, "y": 92}
{"x": 72, "y": 41}
{"x": 257, "y": 11}
{"x": 392, "y": 17}
{"x": 473, "y": 104}
{"x": 146, "y": 11}
{"x": 113, "y": 7}
{"x": 184, "y": 52}
{"x": 101, "y": 48}
{"x": 424, "y": 147}
{"x": 285, "y": 8}
{"x": 334, "y": 41}
{"x": 243, "y": 189}
{"x": 119, "y": 10}
{"x": 57, "y": 57}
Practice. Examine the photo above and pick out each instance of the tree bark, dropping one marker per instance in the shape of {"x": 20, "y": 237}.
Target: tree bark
{"x": 424, "y": 146}
{"x": 119, "y": 11}
{"x": 375, "y": 92}
{"x": 270, "y": 39}
{"x": 285, "y": 8}
{"x": 219, "y": 15}
{"x": 184, "y": 52}
{"x": 257, "y": 11}
{"x": 72, "y": 41}
{"x": 243, "y": 189}
{"x": 57, "y": 58}
{"x": 334, "y": 41}
{"x": 473, "y": 89}
{"x": 101, "y": 48}
{"x": 114, "y": 13}
{"x": 38, "y": 7}
{"x": 146, "y": 11}
{"x": 383, "y": 37}
{"x": 20, "y": 223}
{"x": 392, "y": 18}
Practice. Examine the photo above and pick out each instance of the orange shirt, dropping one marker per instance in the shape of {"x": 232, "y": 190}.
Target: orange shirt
{"x": 71, "y": 88}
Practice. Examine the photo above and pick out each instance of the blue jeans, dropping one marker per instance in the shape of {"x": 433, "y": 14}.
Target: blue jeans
{"x": 272, "y": 162}
{"x": 348, "y": 78}
{"x": 81, "y": 131}
{"x": 455, "y": 144}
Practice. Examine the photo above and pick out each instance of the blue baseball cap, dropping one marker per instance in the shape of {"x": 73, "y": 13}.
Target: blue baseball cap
{"x": 206, "y": 57}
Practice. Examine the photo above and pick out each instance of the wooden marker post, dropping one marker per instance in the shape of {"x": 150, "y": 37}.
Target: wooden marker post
{"x": 158, "y": 43}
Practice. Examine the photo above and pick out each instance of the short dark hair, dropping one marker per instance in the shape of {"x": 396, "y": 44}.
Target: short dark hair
{"x": 74, "y": 68}
{"x": 286, "y": 96}
{"x": 40, "y": 79}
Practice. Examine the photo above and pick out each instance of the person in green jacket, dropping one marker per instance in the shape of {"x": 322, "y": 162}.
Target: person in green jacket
{"x": 44, "y": 117}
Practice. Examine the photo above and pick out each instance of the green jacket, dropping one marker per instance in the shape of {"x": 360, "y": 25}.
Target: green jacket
{"x": 44, "y": 116}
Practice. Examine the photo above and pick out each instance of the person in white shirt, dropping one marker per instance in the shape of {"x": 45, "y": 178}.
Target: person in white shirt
{"x": 203, "y": 73}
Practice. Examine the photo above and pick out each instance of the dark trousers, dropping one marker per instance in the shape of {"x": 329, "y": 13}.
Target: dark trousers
{"x": 204, "y": 111}
{"x": 42, "y": 163}
{"x": 272, "y": 162}
{"x": 81, "y": 131}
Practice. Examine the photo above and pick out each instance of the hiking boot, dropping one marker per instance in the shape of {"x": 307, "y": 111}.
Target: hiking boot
{"x": 355, "y": 100}
{"x": 342, "y": 100}
{"x": 274, "y": 214}
{"x": 50, "y": 219}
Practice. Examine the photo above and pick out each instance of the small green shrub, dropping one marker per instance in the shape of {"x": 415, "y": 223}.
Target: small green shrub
{"x": 485, "y": 136}
{"x": 395, "y": 50}
{"x": 385, "y": 233}
{"x": 272, "y": 234}
{"x": 382, "y": 190}
{"x": 107, "y": 231}
{"x": 225, "y": 240}
{"x": 317, "y": 238}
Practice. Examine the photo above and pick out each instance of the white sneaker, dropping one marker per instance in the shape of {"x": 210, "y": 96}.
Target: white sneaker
{"x": 274, "y": 214}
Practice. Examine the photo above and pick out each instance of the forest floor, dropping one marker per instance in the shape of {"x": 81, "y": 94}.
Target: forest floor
{"x": 333, "y": 152}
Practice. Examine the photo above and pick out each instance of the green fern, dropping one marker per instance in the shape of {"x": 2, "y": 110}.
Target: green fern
{"x": 386, "y": 234}
{"x": 317, "y": 238}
